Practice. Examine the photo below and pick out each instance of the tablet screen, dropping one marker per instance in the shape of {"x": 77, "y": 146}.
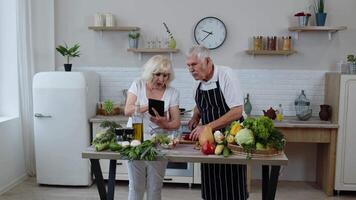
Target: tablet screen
{"x": 158, "y": 105}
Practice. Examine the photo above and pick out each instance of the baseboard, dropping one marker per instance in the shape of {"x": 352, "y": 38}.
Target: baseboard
{"x": 13, "y": 183}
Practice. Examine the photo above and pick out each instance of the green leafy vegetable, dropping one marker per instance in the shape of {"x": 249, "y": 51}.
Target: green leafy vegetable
{"x": 108, "y": 106}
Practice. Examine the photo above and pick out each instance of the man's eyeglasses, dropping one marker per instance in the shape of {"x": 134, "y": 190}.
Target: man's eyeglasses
{"x": 161, "y": 74}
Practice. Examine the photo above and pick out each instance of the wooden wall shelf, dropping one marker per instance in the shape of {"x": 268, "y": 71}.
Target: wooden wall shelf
{"x": 114, "y": 28}
{"x": 268, "y": 52}
{"x": 329, "y": 29}
{"x": 153, "y": 50}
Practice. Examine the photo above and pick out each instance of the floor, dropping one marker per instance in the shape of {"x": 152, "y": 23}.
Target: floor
{"x": 29, "y": 190}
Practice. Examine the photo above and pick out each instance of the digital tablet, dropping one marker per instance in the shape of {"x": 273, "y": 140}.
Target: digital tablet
{"x": 158, "y": 105}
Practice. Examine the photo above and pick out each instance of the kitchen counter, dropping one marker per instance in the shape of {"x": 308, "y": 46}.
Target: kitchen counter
{"x": 288, "y": 122}
{"x": 121, "y": 119}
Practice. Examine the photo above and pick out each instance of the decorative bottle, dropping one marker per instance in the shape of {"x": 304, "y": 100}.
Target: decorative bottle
{"x": 279, "y": 113}
{"x": 137, "y": 124}
{"x": 247, "y": 105}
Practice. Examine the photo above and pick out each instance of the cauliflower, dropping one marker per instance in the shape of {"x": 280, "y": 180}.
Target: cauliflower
{"x": 219, "y": 137}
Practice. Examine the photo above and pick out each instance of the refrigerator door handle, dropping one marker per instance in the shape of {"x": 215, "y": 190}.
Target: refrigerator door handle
{"x": 40, "y": 115}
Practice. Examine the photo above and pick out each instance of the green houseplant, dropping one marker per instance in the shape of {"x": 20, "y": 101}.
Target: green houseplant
{"x": 68, "y": 52}
{"x": 320, "y": 15}
{"x": 351, "y": 59}
{"x": 133, "y": 39}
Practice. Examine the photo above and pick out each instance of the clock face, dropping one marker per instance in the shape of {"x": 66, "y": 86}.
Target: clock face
{"x": 210, "y": 32}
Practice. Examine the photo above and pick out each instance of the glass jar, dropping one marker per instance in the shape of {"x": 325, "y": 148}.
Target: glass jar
{"x": 302, "y": 105}
{"x": 120, "y": 134}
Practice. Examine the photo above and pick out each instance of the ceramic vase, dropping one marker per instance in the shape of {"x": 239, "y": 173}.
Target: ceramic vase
{"x": 247, "y": 105}
{"x": 325, "y": 112}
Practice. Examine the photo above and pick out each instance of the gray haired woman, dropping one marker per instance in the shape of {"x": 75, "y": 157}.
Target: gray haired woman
{"x": 154, "y": 84}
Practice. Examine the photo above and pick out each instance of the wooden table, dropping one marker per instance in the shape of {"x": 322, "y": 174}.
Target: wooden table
{"x": 186, "y": 153}
{"x": 324, "y": 134}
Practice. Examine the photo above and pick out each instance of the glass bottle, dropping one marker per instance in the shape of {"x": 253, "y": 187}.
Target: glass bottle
{"x": 302, "y": 105}
{"x": 247, "y": 105}
{"x": 279, "y": 112}
{"x": 137, "y": 124}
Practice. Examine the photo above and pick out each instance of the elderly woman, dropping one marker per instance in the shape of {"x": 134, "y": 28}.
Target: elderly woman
{"x": 154, "y": 84}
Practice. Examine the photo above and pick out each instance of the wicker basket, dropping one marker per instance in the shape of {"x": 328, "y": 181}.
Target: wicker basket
{"x": 238, "y": 150}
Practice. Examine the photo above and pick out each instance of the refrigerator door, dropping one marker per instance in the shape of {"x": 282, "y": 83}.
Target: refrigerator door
{"x": 61, "y": 129}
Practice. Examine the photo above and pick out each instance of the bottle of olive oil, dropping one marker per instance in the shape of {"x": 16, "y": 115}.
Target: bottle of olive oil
{"x": 137, "y": 124}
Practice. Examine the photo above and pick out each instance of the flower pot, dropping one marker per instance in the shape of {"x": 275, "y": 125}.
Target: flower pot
{"x": 303, "y": 20}
{"x": 133, "y": 43}
{"x": 352, "y": 68}
{"x": 67, "y": 67}
{"x": 320, "y": 19}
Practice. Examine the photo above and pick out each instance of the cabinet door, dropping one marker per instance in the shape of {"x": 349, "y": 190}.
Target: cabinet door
{"x": 349, "y": 129}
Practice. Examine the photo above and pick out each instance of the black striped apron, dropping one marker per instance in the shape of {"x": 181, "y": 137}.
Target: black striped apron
{"x": 219, "y": 181}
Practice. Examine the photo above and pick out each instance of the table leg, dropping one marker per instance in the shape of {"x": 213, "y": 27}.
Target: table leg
{"x": 112, "y": 180}
{"x": 269, "y": 181}
{"x": 95, "y": 165}
{"x": 273, "y": 181}
{"x": 265, "y": 181}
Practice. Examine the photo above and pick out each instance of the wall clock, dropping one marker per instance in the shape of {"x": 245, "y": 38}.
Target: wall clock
{"x": 210, "y": 32}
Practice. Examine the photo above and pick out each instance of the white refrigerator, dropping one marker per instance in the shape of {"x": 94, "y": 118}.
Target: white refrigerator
{"x": 63, "y": 102}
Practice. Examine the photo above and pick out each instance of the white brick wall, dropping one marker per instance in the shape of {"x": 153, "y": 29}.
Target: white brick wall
{"x": 266, "y": 87}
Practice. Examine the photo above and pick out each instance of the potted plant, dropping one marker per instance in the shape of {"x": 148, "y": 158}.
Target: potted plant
{"x": 303, "y": 18}
{"x": 68, "y": 52}
{"x": 133, "y": 39}
{"x": 320, "y": 15}
{"x": 351, "y": 59}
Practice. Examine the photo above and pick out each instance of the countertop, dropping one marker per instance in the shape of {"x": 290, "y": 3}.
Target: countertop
{"x": 187, "y": 153}
{"x": 287, "y": 122}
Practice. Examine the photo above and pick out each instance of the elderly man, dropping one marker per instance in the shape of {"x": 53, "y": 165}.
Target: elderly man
{"x": 218, "y": 99}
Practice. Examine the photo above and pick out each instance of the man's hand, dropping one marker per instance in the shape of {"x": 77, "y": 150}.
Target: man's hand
{"x": 193, "y": 123}
{"x": 194, "y": 135}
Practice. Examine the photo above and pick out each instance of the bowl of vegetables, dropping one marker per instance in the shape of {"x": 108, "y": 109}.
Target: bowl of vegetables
{"x": 164, "y": 139}
{"x": 256, "y": 137}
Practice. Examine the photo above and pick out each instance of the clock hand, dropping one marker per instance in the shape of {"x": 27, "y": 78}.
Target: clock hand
{"x": 206, "y": 36}
{"x": 207, "y": 31}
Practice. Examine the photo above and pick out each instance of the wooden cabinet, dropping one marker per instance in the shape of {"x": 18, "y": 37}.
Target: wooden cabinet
{"x": 341, "y": 95}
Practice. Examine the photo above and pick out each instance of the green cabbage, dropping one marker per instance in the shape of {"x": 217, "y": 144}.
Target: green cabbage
{"x": 245, "y": 137}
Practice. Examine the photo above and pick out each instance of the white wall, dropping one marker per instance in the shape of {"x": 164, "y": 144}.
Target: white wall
{"x": 12, "y": 161}
{"x": 42, "y": 15}
{"x": 243, "y": 19}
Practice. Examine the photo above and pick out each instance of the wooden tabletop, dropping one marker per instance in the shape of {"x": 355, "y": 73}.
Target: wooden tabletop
{"x": 187, "y": 153}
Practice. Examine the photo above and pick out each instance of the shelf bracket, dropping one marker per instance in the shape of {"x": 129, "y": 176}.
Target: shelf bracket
{"x": 330, "y": 33}
{"x": 171, "y": 56}
{"x": 296, "y": 35}
{"x": 140, "y": 56}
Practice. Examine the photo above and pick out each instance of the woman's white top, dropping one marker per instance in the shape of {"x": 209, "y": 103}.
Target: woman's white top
{"x": 170, "y": 98}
